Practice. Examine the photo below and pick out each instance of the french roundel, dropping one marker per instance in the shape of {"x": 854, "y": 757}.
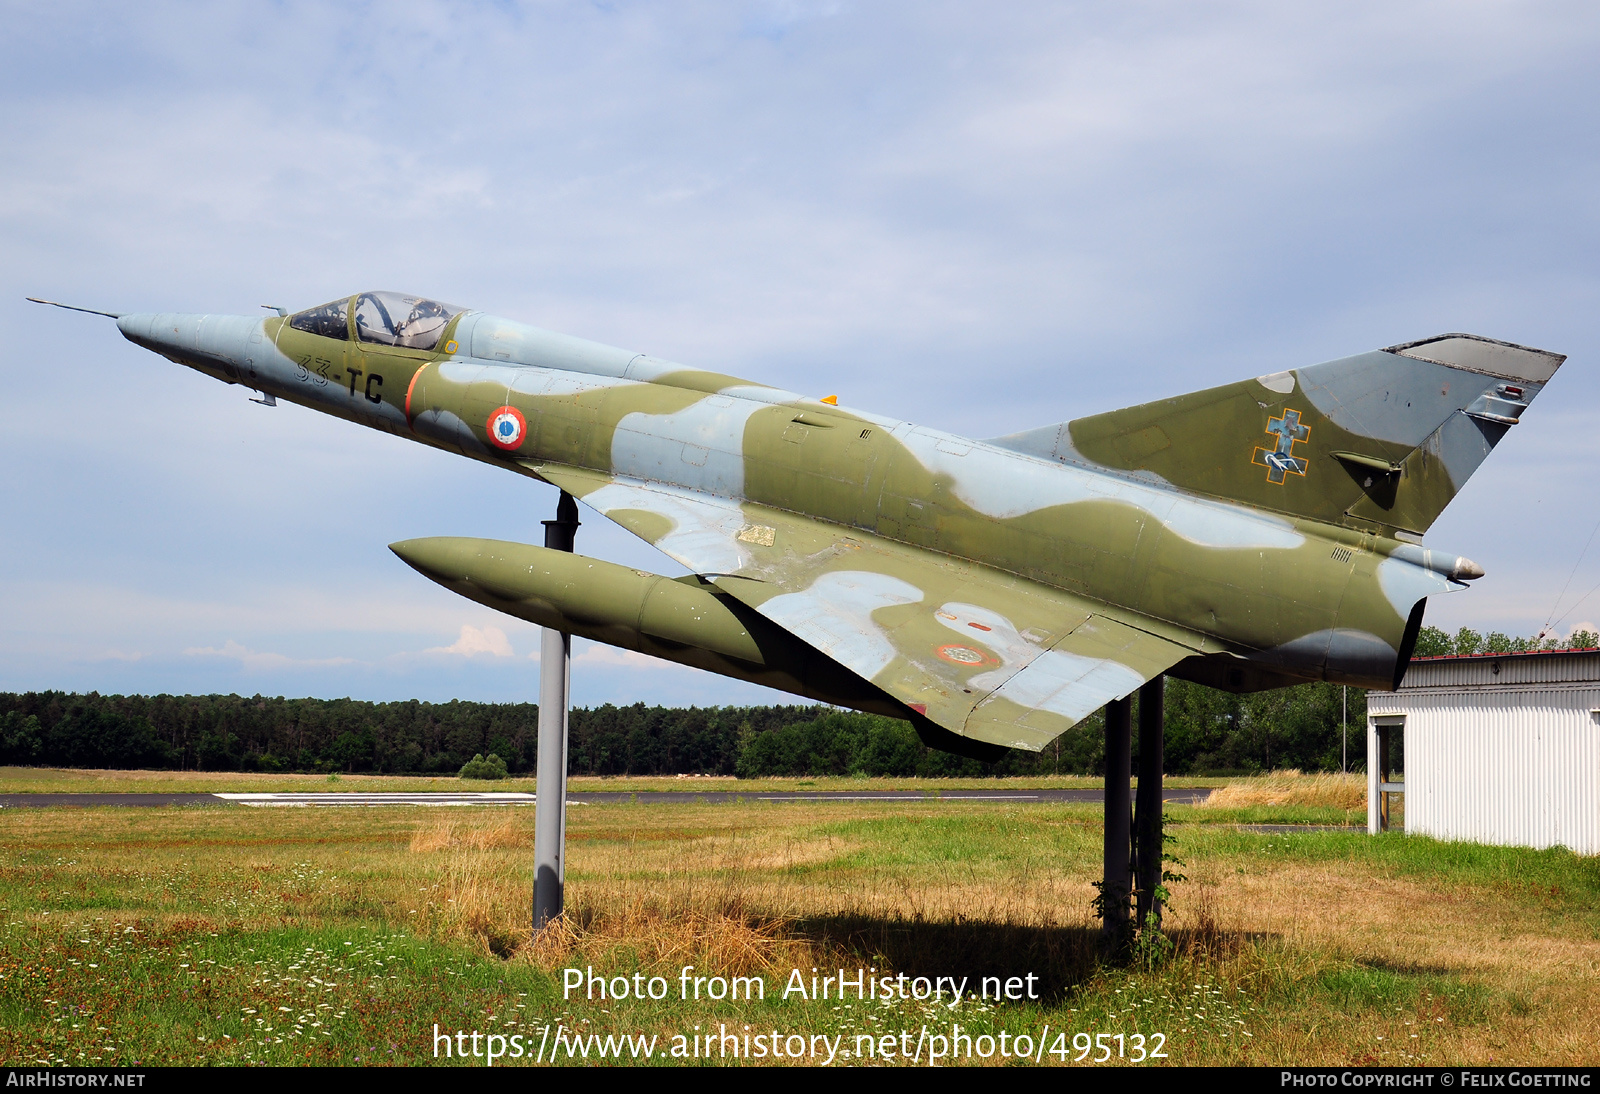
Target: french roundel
{"x": 507, "y": 427}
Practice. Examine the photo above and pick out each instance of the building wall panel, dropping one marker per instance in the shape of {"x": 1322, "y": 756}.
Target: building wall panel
{"x": 1507, "y": 757}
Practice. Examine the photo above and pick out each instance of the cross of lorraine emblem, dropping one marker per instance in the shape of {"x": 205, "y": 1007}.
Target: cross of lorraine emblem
{"x": 1280, "y": 460}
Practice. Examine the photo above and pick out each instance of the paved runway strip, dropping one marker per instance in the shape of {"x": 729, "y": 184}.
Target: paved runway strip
{"x": 353, "y": 797}
{"x": 1181, "y": 796}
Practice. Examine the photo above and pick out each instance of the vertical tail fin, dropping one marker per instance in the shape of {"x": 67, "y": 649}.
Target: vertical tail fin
{"x": 1383, "y": 440}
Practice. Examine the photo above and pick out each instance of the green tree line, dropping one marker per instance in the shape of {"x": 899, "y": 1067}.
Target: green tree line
{"x": 258, "y": 733}
{"x": 1207, "y": 731}
{"x": 1314, "y": 727}
{"x": 1433, "y": 642}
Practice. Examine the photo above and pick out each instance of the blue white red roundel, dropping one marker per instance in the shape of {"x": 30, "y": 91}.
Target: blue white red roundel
{"x": 507, "y": 427}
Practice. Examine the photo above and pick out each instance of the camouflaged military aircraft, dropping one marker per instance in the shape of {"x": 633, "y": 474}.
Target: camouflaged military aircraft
{"x": 992, "y": 592}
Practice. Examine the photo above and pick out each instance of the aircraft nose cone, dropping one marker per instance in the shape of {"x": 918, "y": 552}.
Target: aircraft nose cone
{"x": 171, "y": 334}
{"x": 136, "y": 328}
{"x": 439, "y": 557}
{"x": 212, "y": 343}
{"x": 1467, "y": 570}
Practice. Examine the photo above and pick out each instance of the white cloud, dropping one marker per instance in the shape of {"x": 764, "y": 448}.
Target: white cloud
{"x": 476, "y": 641}
{"x": 252, "y": 659}
{"x": 597, "y": 654}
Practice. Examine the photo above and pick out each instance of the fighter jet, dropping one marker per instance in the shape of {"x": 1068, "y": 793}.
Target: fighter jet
{"x": 992, "y": 592}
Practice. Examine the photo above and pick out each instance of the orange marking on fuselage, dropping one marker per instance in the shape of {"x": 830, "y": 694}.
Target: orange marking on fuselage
{"x": 414, "y": 376}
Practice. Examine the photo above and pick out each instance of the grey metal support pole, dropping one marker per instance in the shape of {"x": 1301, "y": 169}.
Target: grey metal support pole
{"x": 1119, "y": 761}
{"x": 1374, "y": 779}
{"x": 1147, "y": 820}
{"x": 1385, "y": 744}
{"x": 550, "y": 809}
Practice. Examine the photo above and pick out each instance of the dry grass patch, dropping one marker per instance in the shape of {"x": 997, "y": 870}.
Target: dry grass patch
{"x": 692, "y": 891}
{"x": 1291, "y": 787}
{"x": 1305, "y": 917}
{"x": 506, "y": 829}
{"x": 782, "y": 890}
{"x": 710, "y": 930}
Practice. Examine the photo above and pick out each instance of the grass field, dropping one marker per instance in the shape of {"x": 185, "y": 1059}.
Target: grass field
{"x": 227, "y": 935}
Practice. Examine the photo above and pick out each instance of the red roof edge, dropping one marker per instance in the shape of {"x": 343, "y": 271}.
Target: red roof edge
{"x": 1508, "y": 653}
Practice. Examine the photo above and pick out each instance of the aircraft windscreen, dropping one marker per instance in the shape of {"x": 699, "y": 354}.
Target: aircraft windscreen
{"x": 328, "y": 320}
{"x": 394, "y": 319}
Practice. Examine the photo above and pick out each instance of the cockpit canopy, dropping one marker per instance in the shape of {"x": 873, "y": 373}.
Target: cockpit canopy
{"x": 330, "y": 320}
{"x": 387, "y": 318}
{"x": 394, "y": 319}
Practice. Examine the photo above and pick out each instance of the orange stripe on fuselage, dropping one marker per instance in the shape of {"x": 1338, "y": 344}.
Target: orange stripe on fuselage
{"x": 410, "y": 387}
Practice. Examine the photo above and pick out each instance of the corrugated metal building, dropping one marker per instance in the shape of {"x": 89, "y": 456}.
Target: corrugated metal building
{"x": 1495, "y": 748}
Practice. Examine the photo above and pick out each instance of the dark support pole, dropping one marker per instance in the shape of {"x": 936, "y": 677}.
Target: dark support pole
{"x": 1119, "y": 761}
{"x": 550, "y": 808}
{"x": 1147, "y": 820}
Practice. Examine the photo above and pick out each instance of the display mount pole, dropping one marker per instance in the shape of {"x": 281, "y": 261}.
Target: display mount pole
{"x": 1115, "y": 887}
{"x": 550, "y": 806}
{"x": 1147, "y": 820}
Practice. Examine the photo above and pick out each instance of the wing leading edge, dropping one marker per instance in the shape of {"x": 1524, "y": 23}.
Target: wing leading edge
{"x": 985, "y": 654}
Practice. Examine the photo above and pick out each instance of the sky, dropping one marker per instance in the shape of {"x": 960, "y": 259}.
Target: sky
{"x": 977, "y": 217}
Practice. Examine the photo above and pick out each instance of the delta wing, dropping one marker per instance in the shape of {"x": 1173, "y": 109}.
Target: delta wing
{"x": 983, "y": 653}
